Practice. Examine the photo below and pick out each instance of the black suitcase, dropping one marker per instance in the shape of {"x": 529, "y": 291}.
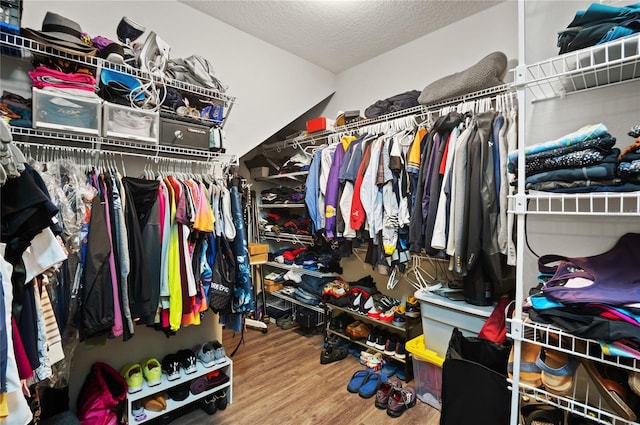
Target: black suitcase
{"x": 307, "y": 318}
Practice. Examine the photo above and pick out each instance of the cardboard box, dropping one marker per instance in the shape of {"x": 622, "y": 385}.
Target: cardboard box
{"x": 272, "y": 285}
{"x": 427, "y": 372}
{"x": 259, "y": 172}
{"x": 258, "y": 253}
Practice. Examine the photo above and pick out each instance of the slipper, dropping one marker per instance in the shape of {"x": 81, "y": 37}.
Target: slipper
{"x": 371, "y": 384}
{"x": 530, "y": 373}
{"x": 612, "y": 391}
{"x": 557, "y": 369}
{"x": 357, "y": 380}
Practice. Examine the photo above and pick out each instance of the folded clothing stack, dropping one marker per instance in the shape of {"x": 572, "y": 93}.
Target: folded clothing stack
{"x": 15, "y": 109}
{"x": 283, "y": 195}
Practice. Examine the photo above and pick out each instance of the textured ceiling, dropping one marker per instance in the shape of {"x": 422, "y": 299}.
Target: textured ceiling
{"x": 334, "y": 34}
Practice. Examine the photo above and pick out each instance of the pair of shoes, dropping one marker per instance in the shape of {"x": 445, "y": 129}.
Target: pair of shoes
{"x": 214, "y": 402}
{"x": 184, "y": 358}
{"x": 333, "y": 354}
{"x": 340, "y": 322}
{"x": 208, "y": 381}
{"x": 154, "y": 402}
{"x": 401, "y": 399}
{"x": 372, "y": 359}
{"x": 211, "y": 353}
{"x": 285, "y": 322}
{"x": 133, "y": 373}
{"x": 395, "y": 346}
{"x": 389, "y": 369}
{"x": 412, "y": 307}
{"x": 385, "y": 391}
{"x": 357, "y": 330}
{"x": 365, "y": 383}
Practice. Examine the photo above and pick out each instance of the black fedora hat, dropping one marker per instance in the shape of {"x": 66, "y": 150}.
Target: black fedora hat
{"x": 60, "y": 33}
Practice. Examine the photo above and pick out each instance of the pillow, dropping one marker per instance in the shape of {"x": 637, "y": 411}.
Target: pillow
{"x": 488, "y": 72}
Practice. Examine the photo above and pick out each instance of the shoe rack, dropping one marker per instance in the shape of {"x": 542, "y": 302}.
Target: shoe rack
{"x": 412, "y": 328}
{"x": 597, "y": 84}
{"x": 225, "y": 367}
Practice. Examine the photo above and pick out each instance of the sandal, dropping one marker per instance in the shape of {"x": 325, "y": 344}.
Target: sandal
{"x": 530, "y": 373}
{"x": 557, "y": 369}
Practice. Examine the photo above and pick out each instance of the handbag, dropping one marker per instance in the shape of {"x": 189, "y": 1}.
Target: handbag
{"x": 223, "y": 279}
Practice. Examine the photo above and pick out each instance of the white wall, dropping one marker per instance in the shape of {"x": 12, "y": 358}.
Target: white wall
{"x": 615, "y": 106}
{"x": 272, "y": 86}
{"x": 428, "y": 58}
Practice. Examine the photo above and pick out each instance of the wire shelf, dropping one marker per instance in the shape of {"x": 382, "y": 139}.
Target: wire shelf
{"x": 288, "y": 238}
{"x": 292, "y": 176}
{"x": 318, "y": 308}
{"x": 560, "y": 340}
{"x": 112, "y": 144}
{"x": 281, "y": 206}
{"x": 299, "y": 269}
{"x": 594, "y": 203}
{"x": 16, "y": 41}
{"x": 612, "y": 63}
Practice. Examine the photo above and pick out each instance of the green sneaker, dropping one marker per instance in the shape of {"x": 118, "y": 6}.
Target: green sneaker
{"x": 152, "y": 371}
{"x": 133, "y": 376}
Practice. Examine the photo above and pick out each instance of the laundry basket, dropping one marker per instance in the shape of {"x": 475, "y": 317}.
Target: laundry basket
{"x": 474, "y": 382}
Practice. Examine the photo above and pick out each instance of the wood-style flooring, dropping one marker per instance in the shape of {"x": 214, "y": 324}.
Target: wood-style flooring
{"x": 278, "y": 379}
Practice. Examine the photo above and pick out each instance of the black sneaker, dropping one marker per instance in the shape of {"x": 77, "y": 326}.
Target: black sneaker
{"x": 187, "y": 360}
{"x": 209, "y": 404}
{"x": 221, "y": 399}
{"x": 171, "y": 366}
{"x": 371, "y": 338}
{"x": 381, "y": 340}
{"x": 333, "y": 354}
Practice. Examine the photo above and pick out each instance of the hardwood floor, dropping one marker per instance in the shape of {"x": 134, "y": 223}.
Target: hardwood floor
{"x": 278, "y": 379}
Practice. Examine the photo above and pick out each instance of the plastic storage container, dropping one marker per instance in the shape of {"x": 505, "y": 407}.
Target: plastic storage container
{"x": 58, "y": 111}
{"x": 427, "y": 372}
{"x": 440, "y": 316}
{"x": 130, "y": 123}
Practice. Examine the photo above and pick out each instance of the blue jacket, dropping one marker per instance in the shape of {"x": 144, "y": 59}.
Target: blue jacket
{"x": 313, "y": 190}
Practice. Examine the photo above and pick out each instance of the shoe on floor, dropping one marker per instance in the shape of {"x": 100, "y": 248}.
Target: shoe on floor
{"x": 384, "y": 392}
{"x": 401, "y": 399}
{"x": 152, "y": 371}
{"x": 333, "y": 354}
{"x": 132, "y": 374}
{"x": 370, "y": 386}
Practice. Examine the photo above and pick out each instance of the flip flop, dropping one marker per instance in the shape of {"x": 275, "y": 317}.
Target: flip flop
{"x": 357, "y": 380}
{"x": 370, "y": 386}
{"x": 557, "y": 369}
{"x": 613, "y": 392}
{"x": 530, "y": 373}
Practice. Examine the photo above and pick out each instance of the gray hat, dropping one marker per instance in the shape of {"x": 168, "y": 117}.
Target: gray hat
{"x": 60, "y": 33}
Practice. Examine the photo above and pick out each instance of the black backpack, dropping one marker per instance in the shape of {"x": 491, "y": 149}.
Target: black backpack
{"x": 223, "y": 278}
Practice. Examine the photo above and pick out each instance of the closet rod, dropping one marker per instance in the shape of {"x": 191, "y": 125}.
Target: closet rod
{"x": 79, "y": 149}
{"x": 416, "y": 111}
